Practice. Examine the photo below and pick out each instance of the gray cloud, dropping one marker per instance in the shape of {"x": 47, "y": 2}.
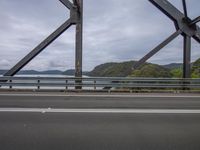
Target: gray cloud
{"x": 114, "y": 30}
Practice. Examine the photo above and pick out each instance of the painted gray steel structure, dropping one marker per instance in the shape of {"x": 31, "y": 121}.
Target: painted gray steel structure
{"x": 76, "y": 18}
{"x": 185, "y": 26}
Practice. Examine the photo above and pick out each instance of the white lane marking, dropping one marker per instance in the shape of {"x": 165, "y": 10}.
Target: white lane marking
{"x": 112, "y": 111}
{"x": 103, "y": 95}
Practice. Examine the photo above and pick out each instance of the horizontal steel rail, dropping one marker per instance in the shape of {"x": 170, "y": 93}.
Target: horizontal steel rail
{"x": 96, "y": 78}
{"x": 94, "y": 83}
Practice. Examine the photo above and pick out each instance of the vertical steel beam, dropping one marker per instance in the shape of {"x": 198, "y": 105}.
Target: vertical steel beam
{"x": 79, "y": 39}
{"x": 196, "y": 20}
{"x": 79, "y": 43}
{"x": 187, "y": 57}
{"x": 185, "y": 8}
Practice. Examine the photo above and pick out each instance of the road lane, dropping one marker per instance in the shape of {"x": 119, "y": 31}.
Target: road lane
{"x": 79, "y": 101}
{"x": 99, "y": 131}
{"x": 35, "y": 122}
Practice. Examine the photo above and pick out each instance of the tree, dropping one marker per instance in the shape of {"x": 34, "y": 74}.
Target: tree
{"x": 196, "y": 69}
{"x": 177, "y": 73}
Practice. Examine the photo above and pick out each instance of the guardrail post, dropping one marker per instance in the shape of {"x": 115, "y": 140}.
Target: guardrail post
{"x": 66, "y": 87}
{"x": 11, "y": 83}
{"x": 185, "y": 85}
{"x": 95, "y": 84}
{"x": 78, "y": 84}
{"x": 38, "y": 87}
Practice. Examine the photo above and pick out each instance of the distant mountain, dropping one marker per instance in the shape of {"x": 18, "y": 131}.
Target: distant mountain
{"x": 52, "y": 72}
{"x": 124, "y": 69}
{"x": 173, "y": 66}
{"x": 33, "y": 72}
{"x": 28, "y": 72}
{"x": 71, "y": 72}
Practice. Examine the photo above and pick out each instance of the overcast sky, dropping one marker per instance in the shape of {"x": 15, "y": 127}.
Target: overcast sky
{"x": 114, "y": 31}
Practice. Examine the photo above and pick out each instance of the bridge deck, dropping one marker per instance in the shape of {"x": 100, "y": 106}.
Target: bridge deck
{"x": 96, "y": 122}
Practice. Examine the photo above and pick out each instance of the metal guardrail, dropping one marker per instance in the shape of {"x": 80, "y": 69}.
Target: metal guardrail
{"x": 88, "y": 83}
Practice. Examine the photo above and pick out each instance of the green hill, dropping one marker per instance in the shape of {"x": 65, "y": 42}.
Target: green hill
{"x": 123, "y": 69}
{"x": 152, "y": 71}
{"x": 178, "y": 71}
{"x": 173, "y": 66}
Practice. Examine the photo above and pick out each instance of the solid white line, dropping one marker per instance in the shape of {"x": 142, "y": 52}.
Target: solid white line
{"x": 111, "y": 111}
{"x": 103, "y": 95}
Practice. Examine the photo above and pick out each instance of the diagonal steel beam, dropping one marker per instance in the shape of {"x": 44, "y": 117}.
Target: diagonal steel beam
{"x": 157, "y": 49}
{"x": 39, "y": 48}
{"x": 67, "y": 3}
{"x": 167, "y": 8}
{"x": 197, "y": 35}
{"x": 196, "y": 20}
{"x": 187, "y": 57}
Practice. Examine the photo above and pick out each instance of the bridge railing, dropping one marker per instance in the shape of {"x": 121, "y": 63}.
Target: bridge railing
{"x": 101, "y": 84}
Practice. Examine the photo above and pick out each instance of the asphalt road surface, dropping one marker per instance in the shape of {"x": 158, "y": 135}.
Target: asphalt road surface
{"x": 99, "y": 122}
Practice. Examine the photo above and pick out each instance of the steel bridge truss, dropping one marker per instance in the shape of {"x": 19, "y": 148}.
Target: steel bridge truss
{"x": 76, "y": 18}
{"x": 185, "y": 26}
